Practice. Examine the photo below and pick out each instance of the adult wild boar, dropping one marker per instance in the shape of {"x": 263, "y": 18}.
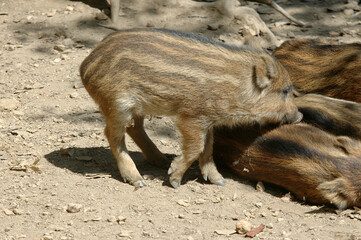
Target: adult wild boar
{"x": 319, "y": 67}
{"x": 315, "y": 166}
{"x": 336, "y": 116}
{"x": 319, "y": 162}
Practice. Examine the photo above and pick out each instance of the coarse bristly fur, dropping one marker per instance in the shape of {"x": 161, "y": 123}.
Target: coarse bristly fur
{"x": 319, "y": 67}
{"x": 315, "y": 166}
{"x": 336, "y": 116}
{"x": 200, "y": 82}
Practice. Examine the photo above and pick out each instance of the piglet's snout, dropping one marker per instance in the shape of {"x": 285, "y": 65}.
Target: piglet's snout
{"x": 296, "y": 118}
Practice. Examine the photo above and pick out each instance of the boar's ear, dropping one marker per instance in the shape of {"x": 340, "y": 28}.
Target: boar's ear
{"x": 344, "y": 143}
{"x": 260, "y": 78}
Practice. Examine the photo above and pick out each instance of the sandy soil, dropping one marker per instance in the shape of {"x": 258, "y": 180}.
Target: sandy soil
{"x": 58, "y": 178}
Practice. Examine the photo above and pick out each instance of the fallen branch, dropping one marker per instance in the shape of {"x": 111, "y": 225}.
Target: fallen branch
{"x": 278, "y": 8}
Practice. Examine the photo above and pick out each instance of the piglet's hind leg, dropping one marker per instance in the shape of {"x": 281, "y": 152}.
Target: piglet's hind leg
{"x": 193, "y": 133}
{"x": 114, "y": 131}
{"x": 206, "y": 163}
{"x": 149, "y": 149}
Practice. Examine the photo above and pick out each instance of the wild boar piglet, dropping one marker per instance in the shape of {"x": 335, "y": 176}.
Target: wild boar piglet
{"x": 200, "y": 82}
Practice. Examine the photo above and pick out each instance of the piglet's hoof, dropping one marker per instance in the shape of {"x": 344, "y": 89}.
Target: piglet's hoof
{"x": 174, "y": 180}
{"x": 139, "y": 184}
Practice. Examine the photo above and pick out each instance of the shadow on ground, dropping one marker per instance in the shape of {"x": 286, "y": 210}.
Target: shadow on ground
{"x": 99, "y": 162}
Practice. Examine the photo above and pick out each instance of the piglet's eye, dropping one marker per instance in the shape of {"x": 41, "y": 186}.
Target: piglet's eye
{"x": 287, "y": 90}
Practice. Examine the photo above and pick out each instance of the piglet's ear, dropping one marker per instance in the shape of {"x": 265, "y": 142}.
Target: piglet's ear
{"x": 272, "y": 71}
{"x": 260, "y": 79}
{"x": 262, "y": 82}
{"x": 265, "y": 72}
{"x": 252, "y": 42}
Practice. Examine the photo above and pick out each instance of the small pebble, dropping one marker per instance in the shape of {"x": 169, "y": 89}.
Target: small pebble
{"x": 124, "y": 233}
{"x": 8, "y": 212}
{"x": 47, "y": 237}
{"x": 260, "y": 187}
{"x": 184, "y": 203}
{"x": 45, "y": 213}
{"x": 313, "y": 208}
{"x": 70, "y": 8}
{"x": 200, "y": 201}
{"x": 64, "y": 57}
{"x": 101, "y": 16}
{"x": 243, "y": 226}
{"x": 9, "y": 104}
{"x": 348, "y": 12}
{"x": 333, "y": 34}
{"x": 9, "y": 47}
{"x": 56, "y": 228}
{"x": 74, "y": 208}
{"x": 18, "y": 211}
{"x": 78, "y": 85}
{"x": 68, "y": 42}
{"x": 51, "y": 14}
{"x": 259, "y": 204}
{"x": 121, "y": 219}
{"x": 234, "y": 197}
{"x": 59, "y": 48}
{"x": 74, "y": 95}
{"x": 212, "y": 27}
{"x": 275, "y": 213}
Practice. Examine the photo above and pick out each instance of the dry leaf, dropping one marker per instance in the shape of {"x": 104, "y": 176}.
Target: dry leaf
{"x": 255, "y": 231}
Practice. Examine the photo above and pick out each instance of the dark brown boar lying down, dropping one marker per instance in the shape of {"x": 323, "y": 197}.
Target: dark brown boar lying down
{"x": 200, "y": 82}
{"x": 336, "y": 116}
{"x": 314, "y": 165}
{"x": 318, "y": 67}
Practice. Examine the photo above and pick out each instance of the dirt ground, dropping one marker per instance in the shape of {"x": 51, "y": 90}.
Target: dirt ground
{"x": 58, "y": 178}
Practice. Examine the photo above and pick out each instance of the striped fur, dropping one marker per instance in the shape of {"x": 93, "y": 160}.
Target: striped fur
{"x": 318, "y": 67}
{"x": 320, "y": 164}
{"x": 317, "y": 167}
{"x": 200, "y": 82}
{"x": 336, "y": 116}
